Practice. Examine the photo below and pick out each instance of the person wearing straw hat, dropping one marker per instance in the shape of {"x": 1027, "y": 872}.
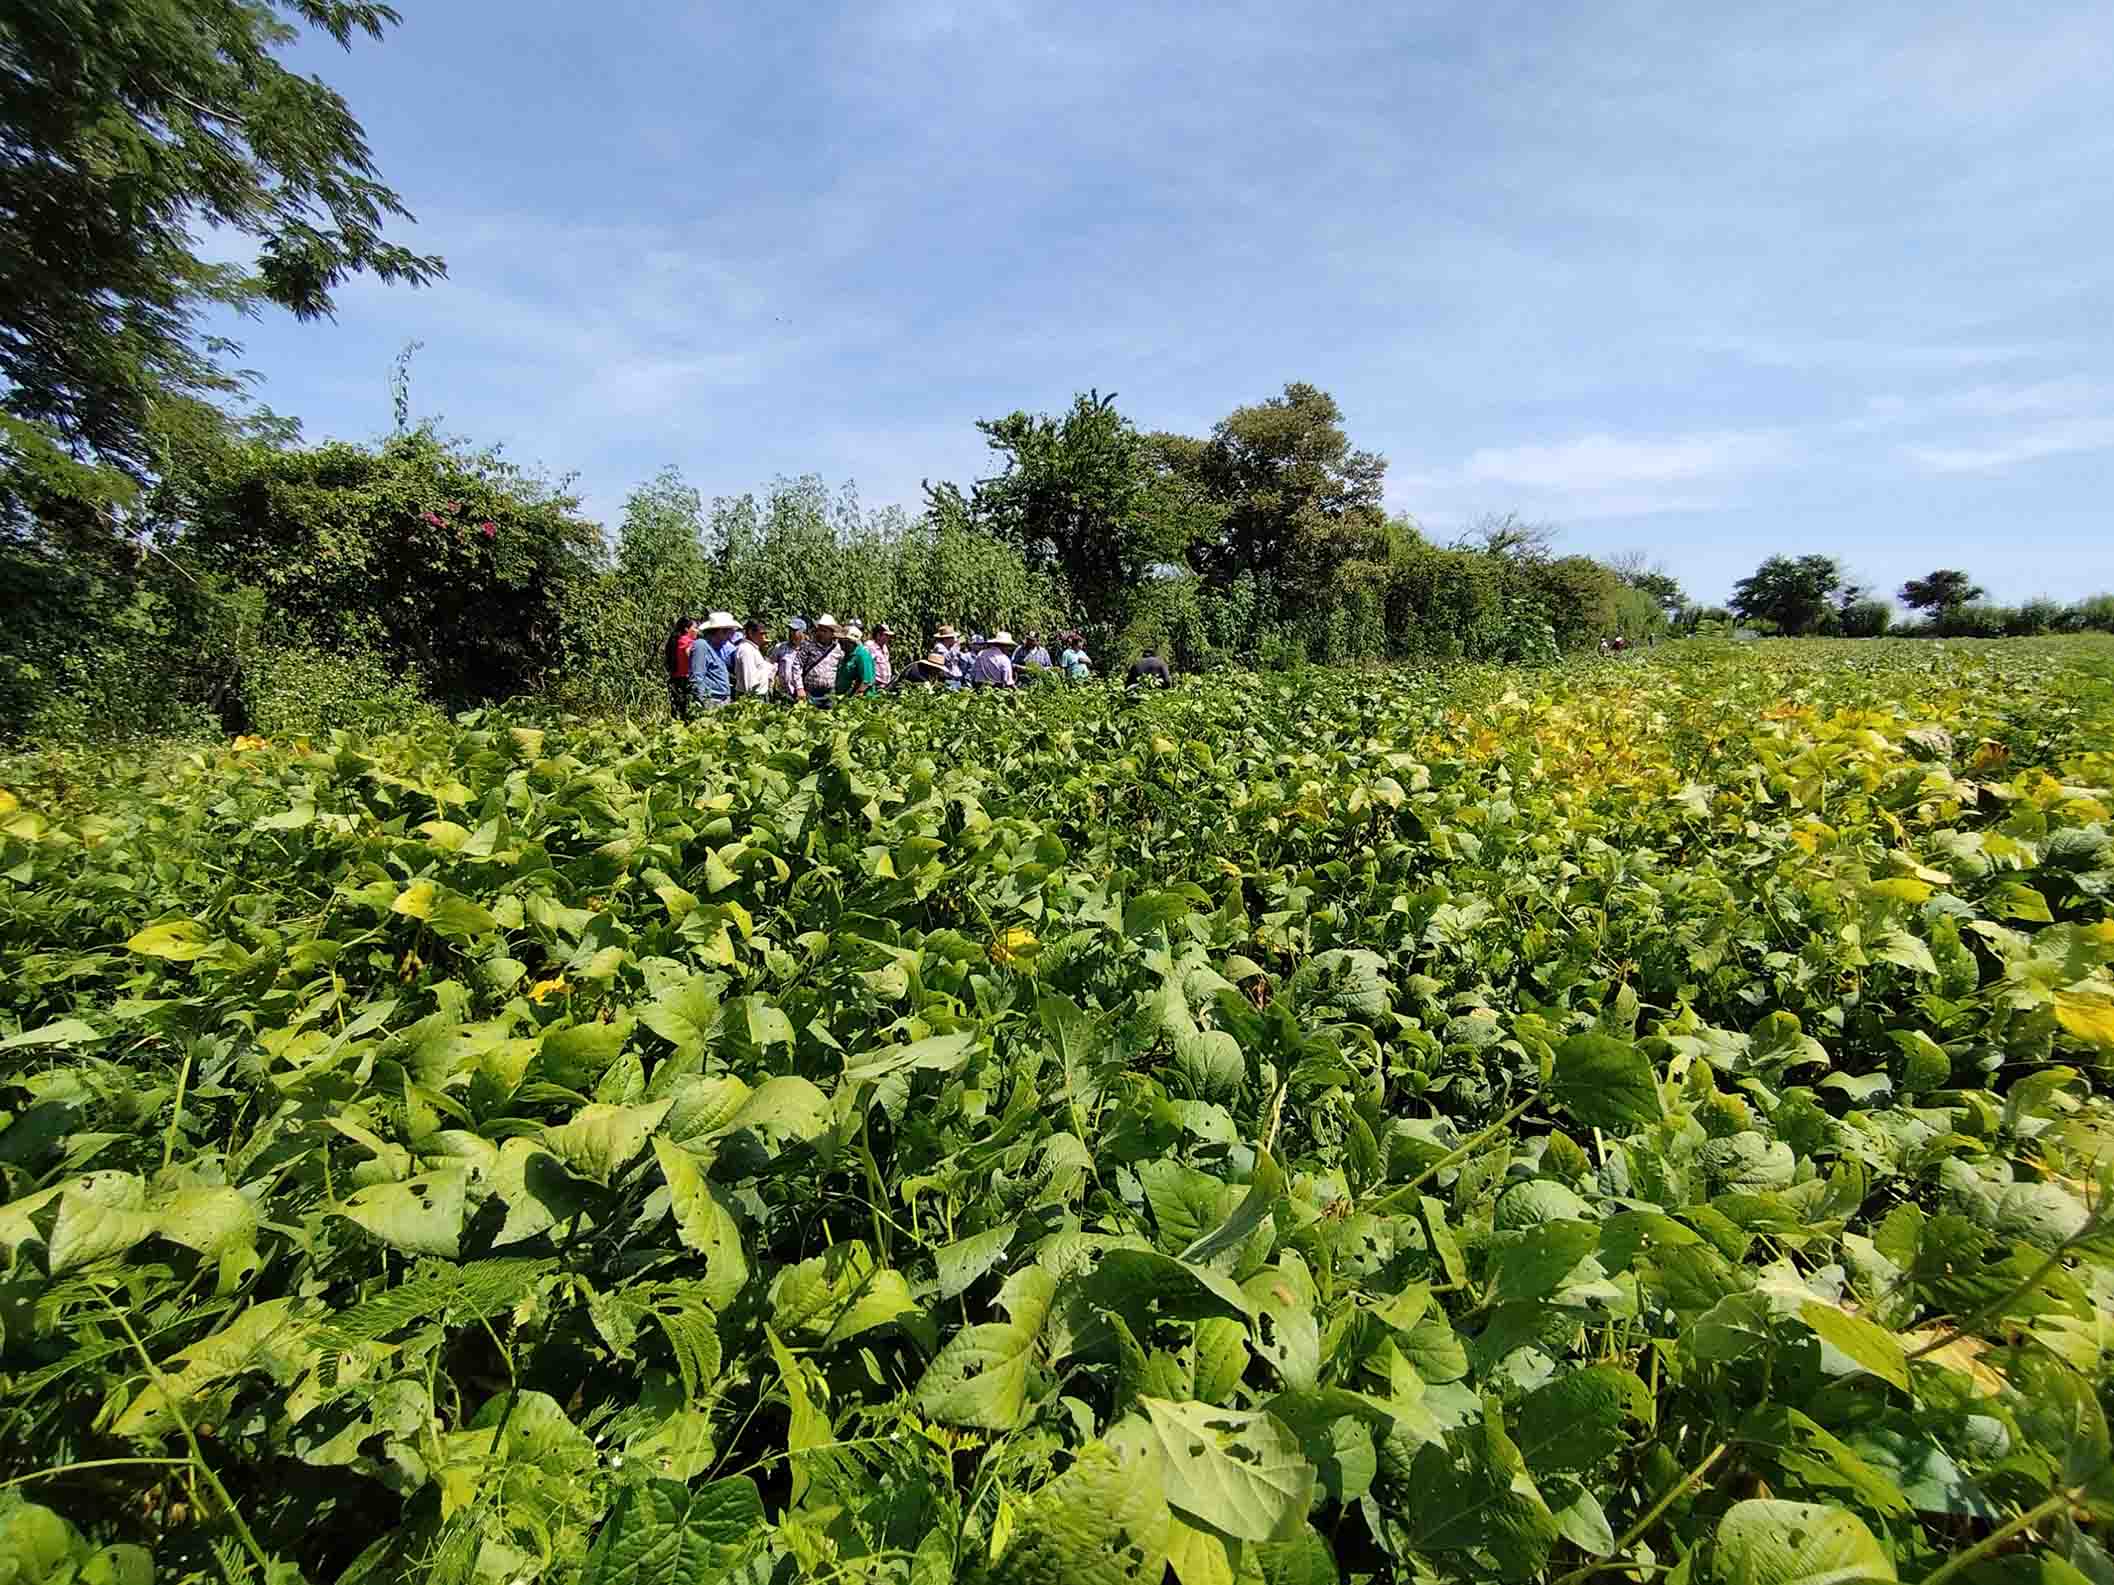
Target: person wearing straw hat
{"x": 1034, "y": 654}
{"x": 709, "y": 676}
{"x": 947, "y": 644}
{"x": 855, "y": 672}
{"x": 752, "y": 670}
{"x": 994, "y": 667}
{"x": 819, "y": 658}
{"x": 927, "y": 672}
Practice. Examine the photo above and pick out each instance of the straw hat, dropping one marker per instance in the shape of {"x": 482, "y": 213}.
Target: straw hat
{"x": 851, "y": 631}
{"x": 934, "y": 664}
{"x": 1002, "y": 639}
{"x": 720, "y": 619}
{"x": 825, "y": 621}
{"x": 883, "y": 630}
{"x": 944, "y": 632}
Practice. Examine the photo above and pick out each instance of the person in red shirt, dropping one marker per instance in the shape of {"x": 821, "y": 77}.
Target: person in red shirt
{"x": 677, "y": 655}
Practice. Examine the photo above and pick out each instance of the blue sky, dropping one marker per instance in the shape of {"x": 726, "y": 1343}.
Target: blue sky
{"x": 1705, "y": 281}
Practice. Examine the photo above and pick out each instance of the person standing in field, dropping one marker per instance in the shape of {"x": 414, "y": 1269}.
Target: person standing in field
{"x": 947, "y": 644}
{"x": 1148, "y": 667}
{"x": 994, "y": 667}
{"x": 884, "y": 672}
{"x": 819, "y": 659}
{"x": 785, "y": 663}
{"x": 710, "y": 680}
{"x": 676, "y": 657}
{"x": 752, "y": 669}
{"x": 1078, "y": 665}
{"x": 855, "y": 672}
{"x": 1034, "y": 654}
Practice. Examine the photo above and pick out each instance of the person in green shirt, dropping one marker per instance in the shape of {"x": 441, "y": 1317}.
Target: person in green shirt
{"x": 855, "y": 672}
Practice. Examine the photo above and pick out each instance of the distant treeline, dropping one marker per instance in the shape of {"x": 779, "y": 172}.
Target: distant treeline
{"x": 1812, "y": 595}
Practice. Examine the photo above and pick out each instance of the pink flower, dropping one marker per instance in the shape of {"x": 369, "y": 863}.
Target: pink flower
{"x": 431, "y": 518}
{"x": 455, "y": 506}
{"x": 490, "y": 531}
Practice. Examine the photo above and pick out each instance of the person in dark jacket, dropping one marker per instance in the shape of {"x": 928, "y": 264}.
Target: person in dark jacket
{"x": 1148, "y": 667}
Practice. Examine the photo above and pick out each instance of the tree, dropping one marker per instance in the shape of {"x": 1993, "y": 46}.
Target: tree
{"x": 1650, "y": 579}
{"x": 128, "y": 127}
{"x": 1791, "y": 594}
{"x": 1290, "y": 484}
{"x": 1084, "y": 497}
{"x": 1947, "y": 589}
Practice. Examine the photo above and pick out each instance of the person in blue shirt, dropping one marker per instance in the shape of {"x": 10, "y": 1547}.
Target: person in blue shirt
{"x": 710, "y": 676}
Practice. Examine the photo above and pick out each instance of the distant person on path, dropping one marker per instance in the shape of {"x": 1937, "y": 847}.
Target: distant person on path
{"x": 1148, "y": 667}
{"x": 994, "y": 667}
{"x": 709, "y": 677}
{"x": 884, "y": 671}
{"x": 1035, "y": 655}
{"x": 752, "y": 669}
{"x": 676, "y": 656}
{"x": 855, "y": 672}
{"x": 819, "y": 659}
{"x": 785, "y": 662}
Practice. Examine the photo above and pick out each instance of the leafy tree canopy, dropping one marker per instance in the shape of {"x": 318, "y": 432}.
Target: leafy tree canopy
{"x": 1942, "y": 590}
{"x": 1289, "y": 481}
{"x": 1790, "y": 593}
{"x": 127, "y": 128}
{"x": 1084, "y": 496}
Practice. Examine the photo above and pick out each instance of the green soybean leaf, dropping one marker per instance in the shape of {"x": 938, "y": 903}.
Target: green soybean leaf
{"x": 1240, "y": 1471}
{"x": 980, "y": 1377}
{"x": 1104, "y": 1521}
{"x": 422, "y": 1215}
{"x": 664, "y": 1533}
{"x": 1869, "y": 1347}
{"x": 1766, "y": 1541}
{"x": 1606, "y": 1083}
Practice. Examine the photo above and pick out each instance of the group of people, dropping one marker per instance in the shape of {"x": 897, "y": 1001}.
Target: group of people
{"x": 713, "y": 661}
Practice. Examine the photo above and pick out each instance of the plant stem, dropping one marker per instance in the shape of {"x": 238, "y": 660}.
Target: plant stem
{"x": 183, "y": 1085}
{"x": 57, "y": 1470}
{"x": 1456, "y": 1154}
{"x": 198, "y": 1457}
{"x": 2032, "y": 1516}
{"x": 1667, "y": 1499}
{"x": 1997, "y": 1306}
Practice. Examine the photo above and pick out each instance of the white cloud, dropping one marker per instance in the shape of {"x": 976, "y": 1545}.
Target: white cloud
{"x": 2031, "y": 445}
{"x": 1598, "y": 464}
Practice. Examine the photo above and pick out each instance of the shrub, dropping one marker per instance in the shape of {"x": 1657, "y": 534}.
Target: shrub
{"x": 290, "y": 692}
{"x": 1866, "y": 619}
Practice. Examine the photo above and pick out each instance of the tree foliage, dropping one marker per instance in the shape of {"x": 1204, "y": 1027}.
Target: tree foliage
{"x": 1792, "y": 594}
{"x": 1085, "y": 499}
{"x": 127, "y": 127}
{"x": 1943, "y": 590}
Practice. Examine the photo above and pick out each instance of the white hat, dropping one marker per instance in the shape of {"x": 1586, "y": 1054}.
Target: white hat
{"x": 1002, "y": 637}
{"x": 826, "y": 620}
{"x": 720, "y": 619}
{"x": 853, "y": 631}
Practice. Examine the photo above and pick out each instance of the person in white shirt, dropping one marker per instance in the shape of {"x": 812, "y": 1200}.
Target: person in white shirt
{"x": 752, "y": 668}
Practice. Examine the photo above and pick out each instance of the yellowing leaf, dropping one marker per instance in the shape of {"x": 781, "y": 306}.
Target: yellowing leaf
{"x": 2089, "y": 1015}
